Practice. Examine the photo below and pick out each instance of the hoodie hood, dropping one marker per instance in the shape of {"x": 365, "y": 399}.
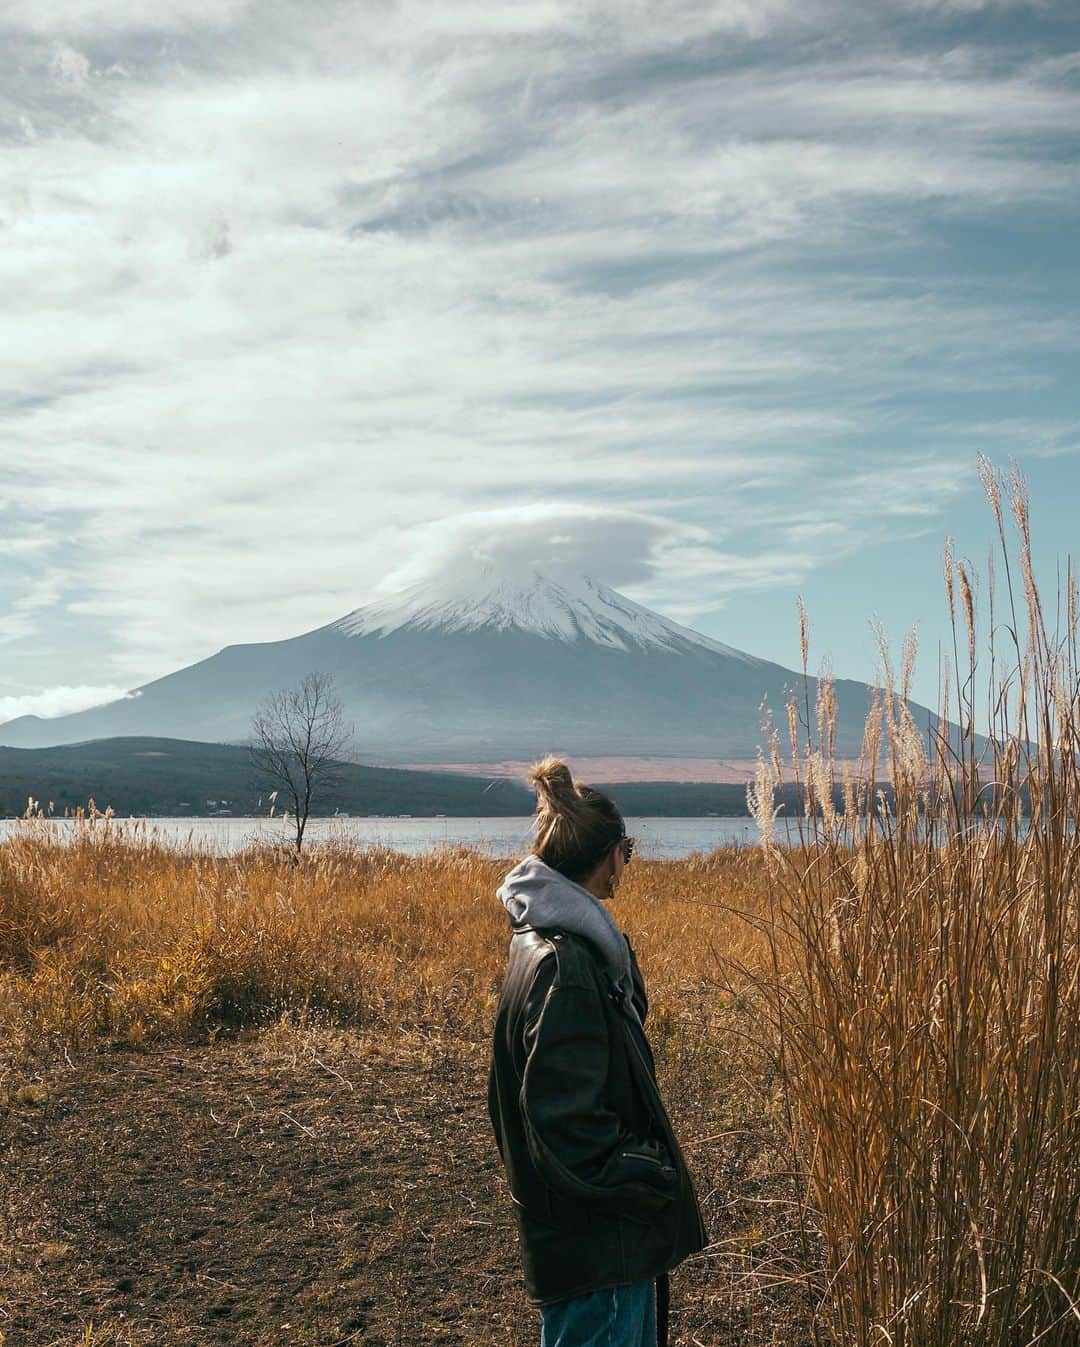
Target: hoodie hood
{"x": 537, "y": 896}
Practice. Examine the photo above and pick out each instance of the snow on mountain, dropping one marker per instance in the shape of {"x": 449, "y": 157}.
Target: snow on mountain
{"x": 567, "y": 608}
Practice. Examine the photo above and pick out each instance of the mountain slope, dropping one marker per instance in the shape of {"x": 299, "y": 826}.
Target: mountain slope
{"x": 489, "y": 668}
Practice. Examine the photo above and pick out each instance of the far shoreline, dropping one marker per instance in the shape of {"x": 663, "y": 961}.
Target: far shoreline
{"x": 659, "y": 837}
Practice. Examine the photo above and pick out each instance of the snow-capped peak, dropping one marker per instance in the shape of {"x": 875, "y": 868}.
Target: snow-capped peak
{"x": 566, "y": 607}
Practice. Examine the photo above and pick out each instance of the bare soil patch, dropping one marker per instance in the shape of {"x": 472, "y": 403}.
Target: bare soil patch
{"x": 316, "y": 1187}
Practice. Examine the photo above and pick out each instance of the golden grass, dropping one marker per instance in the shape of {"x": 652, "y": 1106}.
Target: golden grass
{"x": 925, "y": 992}
{"x": 115, "y": 933}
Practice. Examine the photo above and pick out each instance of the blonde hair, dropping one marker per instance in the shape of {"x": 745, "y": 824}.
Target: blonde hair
{"x": 575, "y": 826}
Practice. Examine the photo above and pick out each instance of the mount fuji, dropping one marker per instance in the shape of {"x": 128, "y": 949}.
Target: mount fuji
{"x": 484, "y": 667}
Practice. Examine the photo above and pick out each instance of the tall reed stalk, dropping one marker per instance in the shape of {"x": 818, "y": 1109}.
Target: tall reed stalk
{"x": 924, "y": 991}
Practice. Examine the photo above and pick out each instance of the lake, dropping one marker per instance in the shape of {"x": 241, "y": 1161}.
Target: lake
{"x": 657, "y": 838}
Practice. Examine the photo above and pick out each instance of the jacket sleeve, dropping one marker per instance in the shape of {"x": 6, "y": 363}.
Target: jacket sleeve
{"x": 577, "y": 1143}
{"x": 640, "y": 997}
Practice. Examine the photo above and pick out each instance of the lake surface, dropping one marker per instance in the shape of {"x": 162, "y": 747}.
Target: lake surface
{"x": 657, "y": 838}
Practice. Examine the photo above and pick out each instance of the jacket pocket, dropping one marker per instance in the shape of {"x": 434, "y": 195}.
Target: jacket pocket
{"x": 650, "y": 1157}
{"x": 649, "y": 1162}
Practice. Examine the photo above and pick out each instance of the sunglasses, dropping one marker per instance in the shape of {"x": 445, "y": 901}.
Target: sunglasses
{"x": 627, "y": 845}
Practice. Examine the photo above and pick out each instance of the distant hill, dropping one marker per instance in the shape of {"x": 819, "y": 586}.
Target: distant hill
{"x": 178, "y": 777}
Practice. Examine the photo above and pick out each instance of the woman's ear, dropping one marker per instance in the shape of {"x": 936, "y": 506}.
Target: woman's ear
{"x": 609, "y": 874}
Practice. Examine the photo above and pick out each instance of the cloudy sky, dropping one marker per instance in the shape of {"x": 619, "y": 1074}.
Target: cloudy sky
{"x": 732, "y": 293}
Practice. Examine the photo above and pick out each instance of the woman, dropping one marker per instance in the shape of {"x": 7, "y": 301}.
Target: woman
{"x": 603, "y": 1202}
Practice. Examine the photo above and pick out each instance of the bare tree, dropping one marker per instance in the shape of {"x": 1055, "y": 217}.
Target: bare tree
{"x": 299, "y": 738}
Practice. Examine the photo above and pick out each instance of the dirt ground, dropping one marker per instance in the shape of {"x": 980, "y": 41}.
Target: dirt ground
{"x": 306, "y": 1186}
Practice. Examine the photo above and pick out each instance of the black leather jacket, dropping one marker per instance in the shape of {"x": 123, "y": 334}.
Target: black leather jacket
{"x": 600, "y": 1189}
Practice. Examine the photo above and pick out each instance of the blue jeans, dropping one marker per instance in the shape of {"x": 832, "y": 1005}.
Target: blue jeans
{"x": 621, "y": 1316}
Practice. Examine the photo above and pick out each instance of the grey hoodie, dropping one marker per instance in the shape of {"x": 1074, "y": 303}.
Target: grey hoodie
{"x": 536, "y": 895}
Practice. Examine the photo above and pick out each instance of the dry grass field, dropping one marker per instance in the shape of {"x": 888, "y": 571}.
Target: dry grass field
{"x": 245, "y": 1099}
{"x": 242, "y": 1099}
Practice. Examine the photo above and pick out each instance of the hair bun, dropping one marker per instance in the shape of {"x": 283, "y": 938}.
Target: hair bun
{"x": 553, "y": 782}
{"x": 576, "y": 825}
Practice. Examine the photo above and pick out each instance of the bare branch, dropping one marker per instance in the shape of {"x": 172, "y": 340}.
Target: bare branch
{"x": 299, "y": 741}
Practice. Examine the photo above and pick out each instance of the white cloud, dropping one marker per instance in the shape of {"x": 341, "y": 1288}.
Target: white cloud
{"x": 970, "y": 6}
{"x": 70, "y": 68}
{"x": 96, "y": 16}
{"x": 57, "y": 701}
{"x": 30, "y": 543}
{"x": 282, "y": 304}
{"x": 21, "y": 618}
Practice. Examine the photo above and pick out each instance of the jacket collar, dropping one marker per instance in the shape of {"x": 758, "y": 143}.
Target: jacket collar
{"x": 538, "y": 896}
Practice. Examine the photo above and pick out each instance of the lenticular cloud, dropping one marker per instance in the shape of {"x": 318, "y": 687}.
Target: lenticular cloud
{"x": 621, "y": 547}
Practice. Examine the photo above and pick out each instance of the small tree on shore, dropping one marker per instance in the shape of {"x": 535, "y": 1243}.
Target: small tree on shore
{"x": 299, "y": 738}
